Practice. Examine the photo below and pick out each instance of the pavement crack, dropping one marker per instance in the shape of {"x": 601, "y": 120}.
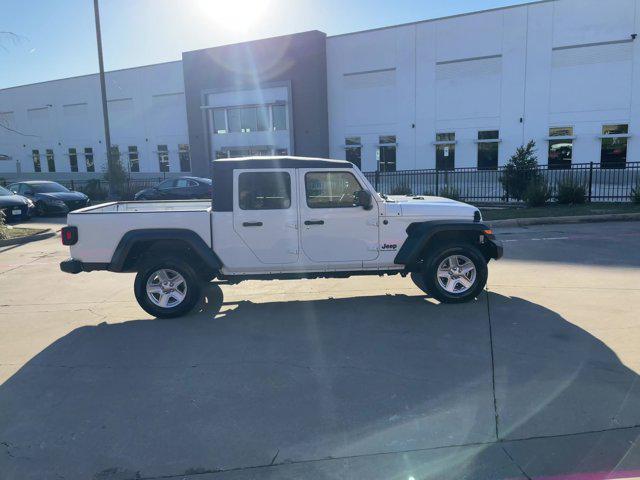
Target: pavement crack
{"x": 493, "y": 367}
{"x": 273, "y": 460}
{"x": 515, "y": 463}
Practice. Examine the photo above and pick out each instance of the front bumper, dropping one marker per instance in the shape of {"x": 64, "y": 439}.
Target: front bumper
{"x": 494, "y": 248}
{"x": 12, "y": 217}
{"x": 72, "y": 265}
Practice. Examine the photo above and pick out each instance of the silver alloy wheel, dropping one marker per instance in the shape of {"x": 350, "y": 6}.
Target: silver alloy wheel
{"x": 166, "y": 288}
{"x": 456, "y": 274}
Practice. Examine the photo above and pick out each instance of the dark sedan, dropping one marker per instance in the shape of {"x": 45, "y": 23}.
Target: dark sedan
{"x": 50, "y": 198}
{"x": 15, "y": 207}
{"x": 182, "y": 188}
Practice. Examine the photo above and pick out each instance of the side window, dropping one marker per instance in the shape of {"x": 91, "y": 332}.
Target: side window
{"x": 166, "y": 184}
{"x": 264, "y": 190}
{"x": 182, "y": 183}
{"x": 14, "y": 187}
{"x": 331, "y": 189}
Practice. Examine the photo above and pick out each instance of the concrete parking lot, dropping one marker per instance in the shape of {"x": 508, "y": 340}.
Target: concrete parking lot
{"x": 330, "y": 379}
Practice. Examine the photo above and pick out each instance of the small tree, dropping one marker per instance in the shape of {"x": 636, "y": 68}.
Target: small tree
{"x": 520, "y": 171}
{"x": 116, "y": 175}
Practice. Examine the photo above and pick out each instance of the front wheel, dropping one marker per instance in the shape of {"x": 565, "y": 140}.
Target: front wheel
{"x": 167, "y": 288}
{"x": 454, "y": 274}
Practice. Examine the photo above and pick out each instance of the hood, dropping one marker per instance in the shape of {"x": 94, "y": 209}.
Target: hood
{"x": 64, "y": 196}
{"x": 432, "y": 208}
{"x": 12, "y": 201}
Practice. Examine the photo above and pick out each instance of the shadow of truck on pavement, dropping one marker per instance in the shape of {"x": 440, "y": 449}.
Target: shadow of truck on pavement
{"x": 294, "y": 382}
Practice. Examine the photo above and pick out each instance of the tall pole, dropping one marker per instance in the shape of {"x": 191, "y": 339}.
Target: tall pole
{"x": 103, "y": 91}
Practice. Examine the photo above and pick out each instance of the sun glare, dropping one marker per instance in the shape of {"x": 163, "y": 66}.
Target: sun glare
{"x": 233, "y": 15}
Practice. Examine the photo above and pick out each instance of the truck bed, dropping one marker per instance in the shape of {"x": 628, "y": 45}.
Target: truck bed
{"x": 101, "y": 227}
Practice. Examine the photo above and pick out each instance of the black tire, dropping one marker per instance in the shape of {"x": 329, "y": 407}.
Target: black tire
{"x": 176, "y": 264}
{"x": 427, "y": 280}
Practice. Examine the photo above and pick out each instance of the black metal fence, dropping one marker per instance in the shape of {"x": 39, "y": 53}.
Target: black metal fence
{"x": 602, "y": 184}
{"x": 98, "y": 189}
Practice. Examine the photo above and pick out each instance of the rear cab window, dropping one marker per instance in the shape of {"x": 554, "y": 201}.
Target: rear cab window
{"x": 264, "y": 190}
{"x": 331, "y": 189}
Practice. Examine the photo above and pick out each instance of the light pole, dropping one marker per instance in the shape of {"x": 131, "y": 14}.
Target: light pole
{"x": 103, "y": 91}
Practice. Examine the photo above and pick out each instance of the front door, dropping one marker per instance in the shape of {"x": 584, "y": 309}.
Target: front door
{"x": 265, "y": 214}
{"x": 334, "y": 230}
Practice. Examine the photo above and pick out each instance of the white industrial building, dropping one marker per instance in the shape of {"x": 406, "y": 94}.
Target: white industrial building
{"x": 461, "y": 91}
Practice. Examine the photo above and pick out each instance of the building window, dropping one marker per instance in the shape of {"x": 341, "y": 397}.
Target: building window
{"x": 73, "y": 160}
{"x": 219, "y": 120}
{"x": 353, "y": 151}
{"x": 88, "y": 159}
{"x": 134, "y": 159}
{"x": 264, "y": 190}
{"x": 51, "y": 161}
{"x": 560, "y": 147}
{"x": 263, "y": 118}
{"x": 163, "y": 158}
{"x": 185, "y": 157}
{"x": 613, "y": 153}
{"x": 279, "y": 117}
{"x": 386, "y": 153}
{"x": 488, "y": 142}
{"x": 35, "y": 154}
{"x": 249, "y": 119}
{"x": 445, "y": 151}
{"x": 233, "y": 120}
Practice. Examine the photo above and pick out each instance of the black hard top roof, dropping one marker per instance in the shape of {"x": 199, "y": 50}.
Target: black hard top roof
{"x": 279, "y": 162}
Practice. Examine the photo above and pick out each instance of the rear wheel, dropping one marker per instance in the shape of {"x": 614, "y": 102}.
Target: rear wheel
{"x": 167, "y": 288}
{"x": 454, "y": 274}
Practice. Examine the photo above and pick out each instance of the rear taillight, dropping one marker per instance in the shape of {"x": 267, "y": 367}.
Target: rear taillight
{"x": 69, "y": 235}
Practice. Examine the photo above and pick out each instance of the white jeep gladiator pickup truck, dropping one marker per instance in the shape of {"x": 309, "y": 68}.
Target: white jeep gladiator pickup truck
{"x": 280, "y": 218}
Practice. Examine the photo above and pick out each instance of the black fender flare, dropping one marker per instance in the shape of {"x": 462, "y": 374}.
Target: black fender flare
{"x": 189, "y": 237}
{"x": 420, "y": 234}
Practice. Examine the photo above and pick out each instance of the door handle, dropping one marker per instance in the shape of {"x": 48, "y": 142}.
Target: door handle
{"x": 314, "y": 222}
{"x": 251, "y": 224}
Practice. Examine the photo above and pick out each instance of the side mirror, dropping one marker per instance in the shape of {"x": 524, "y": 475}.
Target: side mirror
{"x": 364, "y": 199}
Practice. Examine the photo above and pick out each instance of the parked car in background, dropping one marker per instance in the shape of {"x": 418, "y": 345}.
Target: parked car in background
{"x": 15, "y": 207}
{"x": 50, "y": 198}
{"x": 182, "y": 188}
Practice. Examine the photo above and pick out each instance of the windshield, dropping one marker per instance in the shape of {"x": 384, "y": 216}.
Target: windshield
{"x": 48, "y": 187}
{"x": 4, "y": 192}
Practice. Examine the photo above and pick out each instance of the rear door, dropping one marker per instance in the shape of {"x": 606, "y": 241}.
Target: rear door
{"x": 265, "y": 211}
{"x": 334, "y": 230}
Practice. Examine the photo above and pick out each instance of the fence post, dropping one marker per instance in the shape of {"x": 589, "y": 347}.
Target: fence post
{"x": 377, "y": 180}
{"x": 437, "y": 182}
{"x": 590, "y": 179}
{"x": 72, "y": 186}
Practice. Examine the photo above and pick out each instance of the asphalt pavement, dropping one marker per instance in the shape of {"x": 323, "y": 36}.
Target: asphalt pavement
{"x": 330, "y": 379}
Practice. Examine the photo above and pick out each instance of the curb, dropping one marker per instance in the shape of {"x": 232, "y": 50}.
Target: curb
{"x": 41, "y": 235}
{"x": 523, "y": 222}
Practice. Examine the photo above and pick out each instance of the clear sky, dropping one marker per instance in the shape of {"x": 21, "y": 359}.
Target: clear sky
{"x": 56, "y": 38}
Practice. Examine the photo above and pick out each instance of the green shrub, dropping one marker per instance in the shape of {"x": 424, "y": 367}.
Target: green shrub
{"x": 537, "y": 194}
{"x": 520, "y": 171}
{"x": 635, "y": 194}
{"x": 94, "y": 190}
{"x": 571, "y": 192}
{"x": 3, "y": 227}
{"x": 449, "y": 192}
{"x": 401, "y": 190}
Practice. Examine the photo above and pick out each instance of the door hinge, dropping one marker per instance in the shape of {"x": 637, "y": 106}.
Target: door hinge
{"x": 293, "y": 225}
